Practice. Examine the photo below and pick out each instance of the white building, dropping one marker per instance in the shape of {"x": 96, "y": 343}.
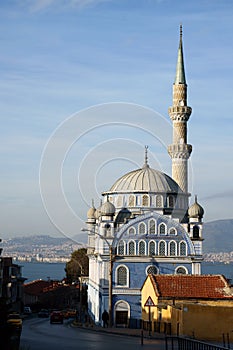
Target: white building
{"x": 145, "y": 225}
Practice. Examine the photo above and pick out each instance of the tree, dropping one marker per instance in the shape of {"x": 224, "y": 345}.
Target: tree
{"x": 77, "y": 266}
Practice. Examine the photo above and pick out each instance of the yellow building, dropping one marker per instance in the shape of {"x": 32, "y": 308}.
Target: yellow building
{"x": 199, "y": 306}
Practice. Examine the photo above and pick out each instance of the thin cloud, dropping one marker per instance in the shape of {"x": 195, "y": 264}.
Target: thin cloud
{"x": 40, "y": 5}
{"x": 226, "y": 194}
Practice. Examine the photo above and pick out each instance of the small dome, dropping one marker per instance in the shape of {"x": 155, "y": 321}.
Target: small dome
{"x": 107, "y": 208}
{"x": 91, "y": 213}
{"x": 196, "y": 210}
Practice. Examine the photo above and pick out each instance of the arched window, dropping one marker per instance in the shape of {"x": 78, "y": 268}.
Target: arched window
{"x": 131, "y": 248}
{"x": 132, "y": 231}
{"x": 162, "y": 249}
{"x": 121, "y": 276}
{"x": 183, "y": 249}
{"x": 152, "y": 270}
{"x": 159, "y": 201}
{"x": 121, "y": 248}
{"x": 162, "y": 229}
{"x": 195, "y": 231}
{"x": 152, "y": 248}
{"x": 131, "y": 201}
{"x": 145, "y": 200}
{"x": 172, "y": 231}
{"x": 142, "y": 248}
{"x": 119, "y": 201}
{"x": 142, "y": 228}
{"x": 171, "y": 201}
{"x": 172, "y": 248}
{"x": 152, "y": 227}
{"x": 181, "y": 271}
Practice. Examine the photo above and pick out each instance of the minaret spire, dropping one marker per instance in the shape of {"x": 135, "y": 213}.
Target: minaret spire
{"x": 179, "y": 113}
{"x": 180, "y": 73}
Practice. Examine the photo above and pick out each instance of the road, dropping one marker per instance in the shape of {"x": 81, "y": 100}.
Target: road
{"x": 39, "y": 334}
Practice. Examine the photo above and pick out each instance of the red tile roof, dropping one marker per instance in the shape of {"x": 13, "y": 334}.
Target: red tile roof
{"x": 36, "y": 287}
{"x": 192, "y": 286}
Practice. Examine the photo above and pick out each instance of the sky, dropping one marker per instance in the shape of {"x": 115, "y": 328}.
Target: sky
{"x": 86, "y": 84}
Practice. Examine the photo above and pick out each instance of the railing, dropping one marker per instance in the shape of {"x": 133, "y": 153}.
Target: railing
{"x": 179, "y": 343}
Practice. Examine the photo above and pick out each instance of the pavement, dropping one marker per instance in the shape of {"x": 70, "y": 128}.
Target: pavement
{"x": 120, "y": 331}
{"x": 158, "y": 339}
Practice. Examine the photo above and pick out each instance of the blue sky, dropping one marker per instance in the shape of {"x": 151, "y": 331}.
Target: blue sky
{"x": 61, "y": 57}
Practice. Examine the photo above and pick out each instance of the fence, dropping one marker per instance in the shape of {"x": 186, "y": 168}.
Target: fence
{"x": 179, "y": 343}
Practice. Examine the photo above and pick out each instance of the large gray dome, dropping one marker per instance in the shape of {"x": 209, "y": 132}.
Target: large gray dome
{"x": 145, "y": 179}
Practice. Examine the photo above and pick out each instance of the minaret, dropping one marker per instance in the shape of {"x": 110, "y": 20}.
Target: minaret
{"x": 179, "y": 113}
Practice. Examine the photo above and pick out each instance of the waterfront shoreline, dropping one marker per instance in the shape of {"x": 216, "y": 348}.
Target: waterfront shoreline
{"x": 56, "y": 271}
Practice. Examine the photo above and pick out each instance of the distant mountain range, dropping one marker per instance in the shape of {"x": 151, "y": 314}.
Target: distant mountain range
{"x": 218, "y": 236}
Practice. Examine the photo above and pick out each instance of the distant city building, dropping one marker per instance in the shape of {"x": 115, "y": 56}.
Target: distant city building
{"x": 145, "y": 225}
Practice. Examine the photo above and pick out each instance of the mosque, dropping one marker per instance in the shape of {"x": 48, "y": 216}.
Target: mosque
{"x": 145, "y": 225}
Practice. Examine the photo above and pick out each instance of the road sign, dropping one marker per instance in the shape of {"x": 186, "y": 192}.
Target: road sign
{"x": 149, "y": 302}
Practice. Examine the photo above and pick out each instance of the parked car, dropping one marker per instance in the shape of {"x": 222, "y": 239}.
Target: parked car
{"x": 14, "y": 320}
{"x": 27, "y": 310}
{"x": 43, "y": 313}
{"x": 56, "y": 317}
{"x": 69, "y": 313}
{"x": 65, "y": 314}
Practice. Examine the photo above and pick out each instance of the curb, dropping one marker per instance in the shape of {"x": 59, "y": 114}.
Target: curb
{"x": 115, "y": 331}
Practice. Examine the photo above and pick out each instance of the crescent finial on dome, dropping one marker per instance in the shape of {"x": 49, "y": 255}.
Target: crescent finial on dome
{"x": 146, "y": 165}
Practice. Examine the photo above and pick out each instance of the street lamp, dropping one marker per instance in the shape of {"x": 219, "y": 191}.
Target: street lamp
{"x": 80, "y": 291}
{"x": 110, "y": 270}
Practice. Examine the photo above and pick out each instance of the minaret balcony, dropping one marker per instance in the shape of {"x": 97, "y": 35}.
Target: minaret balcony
{"x": 180, "y": 113}
{"x": 182, "y": 151}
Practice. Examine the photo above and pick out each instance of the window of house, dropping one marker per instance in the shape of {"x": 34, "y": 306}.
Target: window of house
{"x": 145, "y": 200}
{"x": 172, "y": 248}
{"x": 181, "y": 271}
{"x": 152, "y": 270}
{"x": 122, "y": 276}
{"x": 152, "y": 248}
{"x": 152, "y": 227}
{"x": 159, "y": 201}
{"x": 131, "y": 248}
{"x": 172, "y": 231}
{"x": 119, "y": 201}
{"x": 182, "y": 248}
{"x": 142, "y": 248}
{"x": 195, "y": 231}
{"x": 132, "y": 231}
{"x": 162, "y": 249}
{"x": 162, "y": 229}
{"x": 121, "y": 248}
{"x": 131, "y": 201}
{"x": 142, "y": 228}
{"x": 171, "y": 202}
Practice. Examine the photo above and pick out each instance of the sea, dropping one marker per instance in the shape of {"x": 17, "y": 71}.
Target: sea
{"x": 56, "y": 271}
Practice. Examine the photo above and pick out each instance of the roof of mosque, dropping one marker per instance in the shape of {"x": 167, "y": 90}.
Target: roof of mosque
{"x": 145, "y": 179}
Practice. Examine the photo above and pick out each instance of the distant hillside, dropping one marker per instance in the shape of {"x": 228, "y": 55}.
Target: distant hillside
{"x": 38, "y": 240}
{"x": 218, "y": 236}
